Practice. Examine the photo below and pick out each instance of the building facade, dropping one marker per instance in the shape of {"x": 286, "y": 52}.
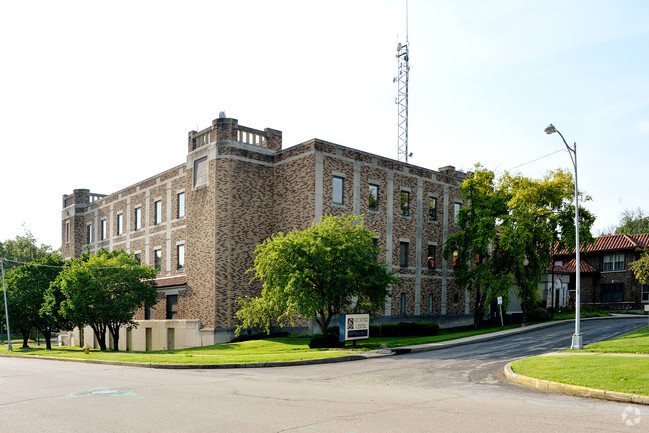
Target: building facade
{"x": 606, "y": 279}
{"x": 198, "y": 223}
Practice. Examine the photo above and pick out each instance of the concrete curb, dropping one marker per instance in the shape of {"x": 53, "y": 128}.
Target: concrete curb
{"x": 201, "y": 366}
{"x": 573, "y": 390}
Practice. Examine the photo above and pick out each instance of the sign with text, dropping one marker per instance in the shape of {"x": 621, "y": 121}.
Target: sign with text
{"x": 354, "y": 327}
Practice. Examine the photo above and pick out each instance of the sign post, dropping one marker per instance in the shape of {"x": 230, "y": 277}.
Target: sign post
{"x": 500, "y": 306}
{"x": 354, "y": 327}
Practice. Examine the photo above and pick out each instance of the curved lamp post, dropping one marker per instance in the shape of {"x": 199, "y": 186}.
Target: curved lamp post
{"x": 572, "y": 151}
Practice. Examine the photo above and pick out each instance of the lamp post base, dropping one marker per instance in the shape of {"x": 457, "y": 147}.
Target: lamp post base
{"x": 577, "y": 343}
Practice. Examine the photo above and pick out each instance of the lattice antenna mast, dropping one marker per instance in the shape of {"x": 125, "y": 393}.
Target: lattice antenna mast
{"x": 403, "y": 68}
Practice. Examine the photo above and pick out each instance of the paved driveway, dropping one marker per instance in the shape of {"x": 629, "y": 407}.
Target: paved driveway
{"x": 458, "y": 389}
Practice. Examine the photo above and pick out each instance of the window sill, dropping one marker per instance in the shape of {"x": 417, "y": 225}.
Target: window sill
{"x": 614, "y": 271}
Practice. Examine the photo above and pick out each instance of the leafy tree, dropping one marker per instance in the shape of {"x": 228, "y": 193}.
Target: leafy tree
{"x": 640, "y": 268}
{"x": 633, "y": 222}
{"x": 103, "y": 291}
{"x": 477, "y": 257}
{"x": 506, "y": 221}
{"x": 23, "y": 249}
{"x": 327, "y": 269}
{"x": 26, "y": 288}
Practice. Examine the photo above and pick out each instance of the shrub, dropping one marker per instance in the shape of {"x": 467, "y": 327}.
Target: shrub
{"x": 325, "y": 341}
{"x": 404, "y": 329}
{"x": 260, "y": 336}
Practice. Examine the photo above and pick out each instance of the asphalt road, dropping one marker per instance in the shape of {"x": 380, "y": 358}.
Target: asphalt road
{"x": 459, "y": 389}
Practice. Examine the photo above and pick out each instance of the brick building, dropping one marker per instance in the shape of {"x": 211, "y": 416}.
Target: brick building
{"x": 198, "y": 223}
{"x": 606, "y": 280}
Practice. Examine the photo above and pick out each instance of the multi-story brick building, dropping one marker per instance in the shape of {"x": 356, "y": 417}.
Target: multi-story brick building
{"x": 199, "y": 223}
{"x": 606, "y": 280}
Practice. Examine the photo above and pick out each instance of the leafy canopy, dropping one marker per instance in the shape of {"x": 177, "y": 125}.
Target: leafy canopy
{"x": 103, "y": 291}
{"x": 506, "y": 220}
{"x": 327, "y": 269}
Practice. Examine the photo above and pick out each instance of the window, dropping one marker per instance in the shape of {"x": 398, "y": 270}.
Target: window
{"x": 120, "y": 224}
{"x": 430, "y": 304}
{"x": 456, "y": 212}
{"x": 375, "y": 242}
{"x": 181, "y": 256}
{"x": 403, "y": 303}
{"x": 181, "y": 205}
{"x": 89, "y": 234}
{"x": 612, "y": 292}
{"x": 67, "y": 231}
{"x": 172, "y": 307}
{"x": 374, "y": 198}
{"x": 338, "y": 190}
{"x": 431, "y": 257}
{"x": 645, "y": 293}
{"x": 432, "y": 209}
{"x": 137, "y": 258}
{"x": 403, "y": 254}
{"x": 102, "y": 235}
{"x": 148, "y": 312}
{"x": 405, "y": 203}
{"x": 158, "y": 212}
{"x": 138, "y": 218}
{"x": 613, "y": 262}
{"x": 201, "y": 173}
{"x": 157, "y": 260}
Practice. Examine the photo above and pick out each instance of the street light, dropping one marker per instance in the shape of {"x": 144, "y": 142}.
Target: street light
{"x": 572, "y": 151}
{"x": 525, "y": 263}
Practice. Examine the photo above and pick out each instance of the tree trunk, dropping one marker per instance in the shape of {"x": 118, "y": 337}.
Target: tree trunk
{"x": 47, "y": 335}
{"x": 101, "y": 336}
{"x": 480, "y": 299}
{"x": 25, "y": 333}
{"x": 115, "y": 334}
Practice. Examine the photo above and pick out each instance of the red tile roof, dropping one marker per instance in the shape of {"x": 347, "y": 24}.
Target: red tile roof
{"x": 171, "y": 281}
{"x": 559, "y": 270}
{"x": 571, "y": 266}
{"x": 613, "y": 243}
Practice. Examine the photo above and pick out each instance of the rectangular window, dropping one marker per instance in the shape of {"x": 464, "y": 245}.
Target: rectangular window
{"x": 374, "y": 198}
{"x": 137, "y": 258}
{"x": 157, "y": 260}
{"x": 201, "y": 172}
{"x": 102, "y": 234}
{"x": 181, "y": 205}
{"x": 138, "y": 218}
{"x": 612, "y": 292}
{"x": 403, "y": 254}
{"x": 158, "y": 212}
{"x": 403, "y": 303}
{"x": 456, "y": 212}
{"x": 89, "y": 234}
{"x": 148, "y": 312}
{"x": 645, "y": 293}
{"x": 431, "y": 257}
{"x": 172, "y": 307}
{"x": 120, "y": 224}
{"x": 432, "y": 209}
{"x": 430, "y": 304}
{"x": 614, "y": 262}
{"x": 181, "y": 256}
{"x": 67, "y": 231}
{"x": 338, "y": 190}
{"x": 405, "y": 203}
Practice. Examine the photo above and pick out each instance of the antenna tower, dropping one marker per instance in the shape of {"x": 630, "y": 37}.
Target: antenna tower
{"x": 403, "y": 68}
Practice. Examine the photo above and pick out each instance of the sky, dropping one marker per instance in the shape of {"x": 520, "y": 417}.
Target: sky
{"x": 102, "y": 95}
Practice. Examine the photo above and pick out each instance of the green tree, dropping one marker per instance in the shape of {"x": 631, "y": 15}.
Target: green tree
{"x": 327, "y": 269}
{"x": 26, "y": 288}
{"x": 506, "y": 221}
{"x": 103, "y": 291}
{"x": 479, "y": 265}
{"x": 23, "y": 249}
{"x": 633, "y": 222}
{"x": 640, "y": 268}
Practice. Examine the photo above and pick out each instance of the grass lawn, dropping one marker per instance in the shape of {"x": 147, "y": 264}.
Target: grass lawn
{"x": 291, "y": 348}
{"x": 617, "y": 373}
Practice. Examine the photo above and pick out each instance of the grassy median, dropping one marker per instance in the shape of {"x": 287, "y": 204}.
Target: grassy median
{"x": 611, "y": 365}
{"x": 291, "y": 348}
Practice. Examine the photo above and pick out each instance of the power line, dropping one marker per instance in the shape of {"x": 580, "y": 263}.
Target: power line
{"x": 533, "y": 160}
